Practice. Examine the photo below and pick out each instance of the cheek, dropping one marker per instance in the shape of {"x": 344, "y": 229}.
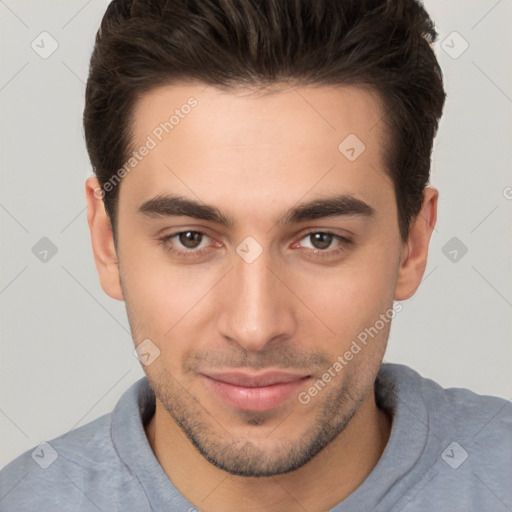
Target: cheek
{"x": 167, "y": 303}
{"x": 352, "y": 297}
{"x": 162, "y": 301}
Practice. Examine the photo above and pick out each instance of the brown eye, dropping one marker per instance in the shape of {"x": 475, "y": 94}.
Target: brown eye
{"x": 324, "y": 244}
{"x": 190, "y": 239}
{"x": 188, "y": 244}
{"x": 321, "y": 240}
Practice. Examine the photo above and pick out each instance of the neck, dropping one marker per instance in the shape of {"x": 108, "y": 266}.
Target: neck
{"x": 320, "y": 484}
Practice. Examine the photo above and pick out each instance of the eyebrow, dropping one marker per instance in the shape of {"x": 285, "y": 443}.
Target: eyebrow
{"x": 171, "y": 206}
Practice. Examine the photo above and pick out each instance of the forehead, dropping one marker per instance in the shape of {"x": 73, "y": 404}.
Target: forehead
{"x": 294, "y": 114}
{"x": 251, "y": 148}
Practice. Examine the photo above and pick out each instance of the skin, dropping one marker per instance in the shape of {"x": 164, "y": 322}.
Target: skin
{"x": 255, "y": 156}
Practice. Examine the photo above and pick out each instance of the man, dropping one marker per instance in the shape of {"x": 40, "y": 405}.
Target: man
{"x": 260, "y": 202}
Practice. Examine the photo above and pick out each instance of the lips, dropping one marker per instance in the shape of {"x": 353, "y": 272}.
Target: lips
{"x": 254, "y": 381}
{"x": 254, "y": 392}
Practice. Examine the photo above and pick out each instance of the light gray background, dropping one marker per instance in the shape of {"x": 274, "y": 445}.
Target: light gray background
{"x": 66, "y": 347}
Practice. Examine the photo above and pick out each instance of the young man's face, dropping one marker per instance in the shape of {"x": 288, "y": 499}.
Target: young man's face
{"x": 251, "y": 313}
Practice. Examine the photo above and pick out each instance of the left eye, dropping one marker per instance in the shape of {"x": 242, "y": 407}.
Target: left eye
{"x": 321, "y": 240}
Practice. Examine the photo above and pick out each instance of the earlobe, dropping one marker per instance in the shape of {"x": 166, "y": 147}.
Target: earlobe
{"x": 104, "y": 250}
{"x": 415, "y": 250}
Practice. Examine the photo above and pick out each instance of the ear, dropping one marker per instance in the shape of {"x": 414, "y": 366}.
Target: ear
{"x": 105, "y": 254}
{"x": 415, "y": 250}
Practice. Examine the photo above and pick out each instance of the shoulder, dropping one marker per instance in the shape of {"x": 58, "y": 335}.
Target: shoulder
{"x": 79, "y": 470}
{"x": 456, "y": 406}
{"x": 460, "y": 411}
{"x": 467, "y": 451}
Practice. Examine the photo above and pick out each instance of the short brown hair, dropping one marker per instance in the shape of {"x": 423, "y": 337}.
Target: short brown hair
{"x": 383, "y": 44}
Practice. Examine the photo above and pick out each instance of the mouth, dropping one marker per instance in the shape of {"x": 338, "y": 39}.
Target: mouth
{"x": 254, "y": 391}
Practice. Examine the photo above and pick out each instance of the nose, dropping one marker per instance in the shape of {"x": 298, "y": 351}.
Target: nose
{"x": 256, "y": 305}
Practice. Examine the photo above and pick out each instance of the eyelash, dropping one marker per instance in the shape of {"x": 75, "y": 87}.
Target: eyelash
{"x": 316, "y": 253}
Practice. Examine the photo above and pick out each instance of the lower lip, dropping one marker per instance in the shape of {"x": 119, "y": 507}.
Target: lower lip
{"x": 254, "y": 399}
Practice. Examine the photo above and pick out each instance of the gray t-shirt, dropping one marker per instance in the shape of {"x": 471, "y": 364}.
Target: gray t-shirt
{"x": 449, "y": 450}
